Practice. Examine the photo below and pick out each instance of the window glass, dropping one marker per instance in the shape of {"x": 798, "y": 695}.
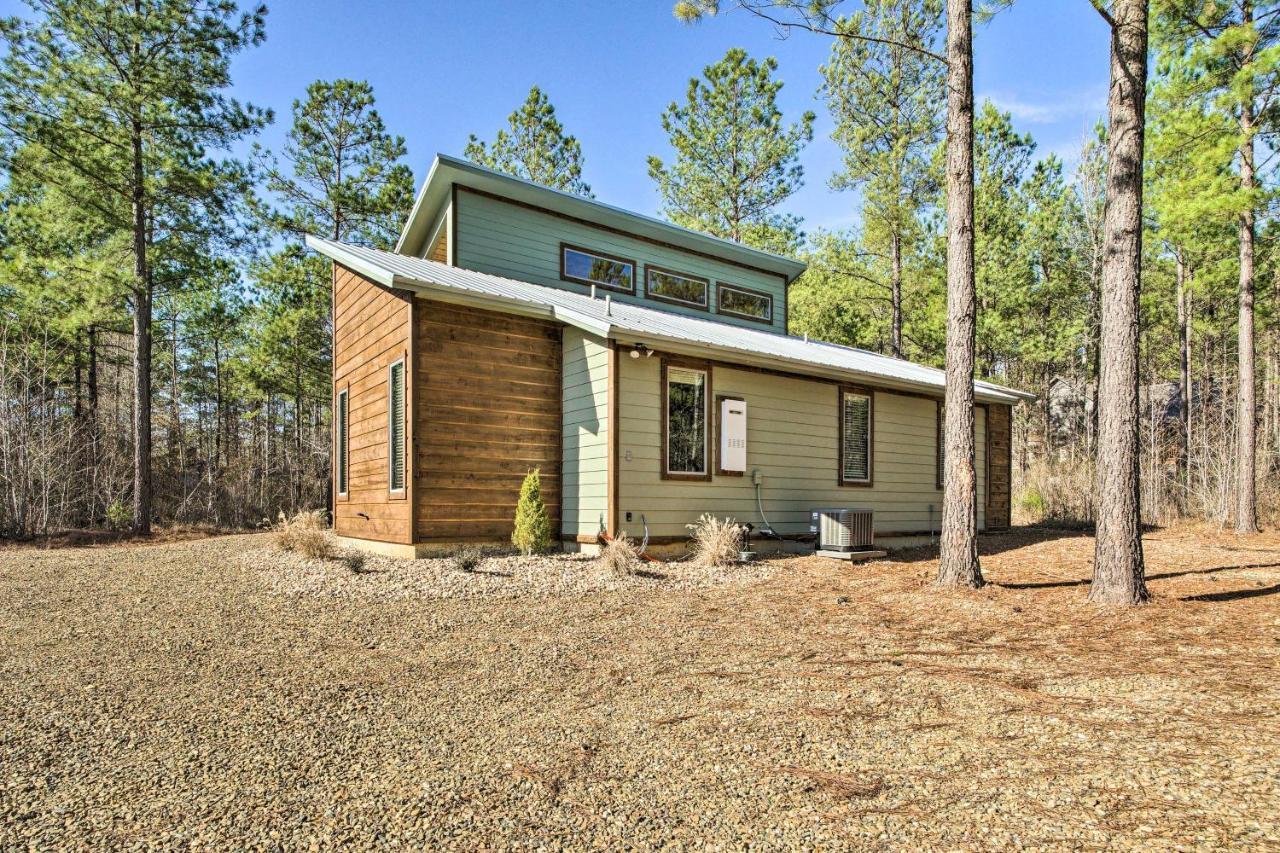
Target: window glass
{"x": 743, "y": 303}
{"x": 396, "y": 431}
{"x": 686, "y": 421}
{"x": 855, "y": 426}
{"x": 677, "y": 288}
{"x": 590, "y": 268}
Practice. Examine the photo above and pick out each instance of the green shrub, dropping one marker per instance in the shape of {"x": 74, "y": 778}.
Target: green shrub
{"x": 119, "y": 516}
{"x": 533, "y": 528}
{"x": 1032, "y": 502}
{"x": 467, "y": 558}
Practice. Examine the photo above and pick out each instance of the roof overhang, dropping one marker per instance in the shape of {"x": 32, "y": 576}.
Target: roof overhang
{"x": 602, "y": 326}
{"x": 446, "y": 171}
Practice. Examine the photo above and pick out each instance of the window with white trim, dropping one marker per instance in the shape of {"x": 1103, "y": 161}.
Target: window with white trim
{"x": 686, "y": 402}
{"x": 855, "y": 437}
{"x": 341, "y": 428}
{"x": 395, "y": 426}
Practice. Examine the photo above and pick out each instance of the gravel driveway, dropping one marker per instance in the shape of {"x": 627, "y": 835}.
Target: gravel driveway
{"x": 175, "y": 696}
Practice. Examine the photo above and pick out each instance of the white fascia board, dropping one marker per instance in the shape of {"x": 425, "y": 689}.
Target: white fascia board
{"x": 584, "y": 322}
{"x": 417, "y": 206}
{"x": 335, "y": 252}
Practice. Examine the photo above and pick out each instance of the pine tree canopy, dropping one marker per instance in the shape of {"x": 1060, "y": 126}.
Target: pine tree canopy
{"x": 735, "y": 159}
{"x": 534, "y": 147}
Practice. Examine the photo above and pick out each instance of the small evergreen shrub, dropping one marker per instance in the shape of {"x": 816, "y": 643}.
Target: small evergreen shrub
{"x": 1032, "y": 502}
{"x": 717, "y": 543}
{"x": 467, "y": 558}
{"x": 354, "y": 561}
{"x": 119, "y": 516}
{"x": 533, "y": 528}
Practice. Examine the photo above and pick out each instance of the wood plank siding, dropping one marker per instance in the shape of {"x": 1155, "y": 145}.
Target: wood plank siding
{"x": 489, "y": 409}
{"x": 1000, "y": 446}
{"x": 371, "y": 332}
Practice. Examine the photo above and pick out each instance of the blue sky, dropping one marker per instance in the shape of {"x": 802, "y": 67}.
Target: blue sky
{"x": 443, "y": 70}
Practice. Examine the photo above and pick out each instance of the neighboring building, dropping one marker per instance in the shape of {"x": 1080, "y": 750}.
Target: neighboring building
{"x": 516, "y": 327}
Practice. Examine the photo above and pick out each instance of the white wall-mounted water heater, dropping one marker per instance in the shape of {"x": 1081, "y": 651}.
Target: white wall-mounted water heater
{"x": 733, "y": 435}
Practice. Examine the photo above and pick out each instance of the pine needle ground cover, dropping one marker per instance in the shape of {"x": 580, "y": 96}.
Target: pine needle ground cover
{"x": 173, "y": 695}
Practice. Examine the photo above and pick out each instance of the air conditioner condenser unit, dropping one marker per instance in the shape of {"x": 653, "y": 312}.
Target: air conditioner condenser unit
{"x": 844, "y": 533}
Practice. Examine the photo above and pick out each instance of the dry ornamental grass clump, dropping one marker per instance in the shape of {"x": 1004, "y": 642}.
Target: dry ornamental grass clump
{"x": 620, "y": 557}
{"x": 307, "y": 533}
{"x": 717, "y": 543}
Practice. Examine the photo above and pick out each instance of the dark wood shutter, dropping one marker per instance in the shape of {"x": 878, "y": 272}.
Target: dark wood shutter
{"x": 342, "y": 453}
{"x": 396, "y": 431}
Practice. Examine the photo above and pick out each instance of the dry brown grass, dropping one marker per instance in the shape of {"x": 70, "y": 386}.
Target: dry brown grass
{"x": 620, "y": 556}
{"x": 306, "y": 533}
{"x": 717, "y": 542}
{"x": 822, "y": 706}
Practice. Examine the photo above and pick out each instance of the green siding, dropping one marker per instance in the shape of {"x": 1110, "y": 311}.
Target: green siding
{"x": 586, "y": 432}
{"x": 792, "y": 439}
{"x": 505, "y": 239}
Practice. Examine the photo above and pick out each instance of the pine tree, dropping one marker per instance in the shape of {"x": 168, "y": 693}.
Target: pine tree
{"x": 532, "y": 533}
{"x": 1233, "y": 48}
{"x": 1118, "y": 569}
{"x": 959, "y": 545}
{"x": 344, "y": 179}
{"x": 885, "y": 101}
{"x": 735, "y": 160}
{"x": 958, "y": 554}
{"x": 534, "y": 147}
{"x": 127, "y": 99}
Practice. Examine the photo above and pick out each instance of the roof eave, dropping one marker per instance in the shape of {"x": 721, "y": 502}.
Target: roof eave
{"x": 447, "y": 170}
{"x": 753, "y": 358}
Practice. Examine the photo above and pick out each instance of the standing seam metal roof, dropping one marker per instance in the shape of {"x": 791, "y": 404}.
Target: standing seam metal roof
{"x": 610, "y": 318}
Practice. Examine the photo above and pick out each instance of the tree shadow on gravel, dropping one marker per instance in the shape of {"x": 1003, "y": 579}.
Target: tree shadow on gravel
{"x": 1155, "y": 577}
{"x": 1234, "y": 594}
{"x": 991, "y": 544}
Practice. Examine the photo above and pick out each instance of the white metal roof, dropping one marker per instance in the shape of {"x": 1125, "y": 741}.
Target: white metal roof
{"x": 446, "y": 171}
{"x": 658, "y": 329}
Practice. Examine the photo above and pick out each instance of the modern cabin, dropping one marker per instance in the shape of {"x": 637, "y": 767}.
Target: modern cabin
{"x": 645, "y": 369}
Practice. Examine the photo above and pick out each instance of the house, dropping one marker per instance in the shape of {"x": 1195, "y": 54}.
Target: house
{"x": 644, "y": 368}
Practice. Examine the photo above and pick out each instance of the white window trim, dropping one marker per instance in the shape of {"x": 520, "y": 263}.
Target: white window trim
{"x": 404, "y": 438}
{"x": 344, "y": 443}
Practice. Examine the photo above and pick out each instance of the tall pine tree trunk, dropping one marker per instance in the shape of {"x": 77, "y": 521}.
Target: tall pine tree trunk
{"x": 1246, "y": 414}
{"x": 958, "y": 565}
{"x": 1184, "y": 372}
{"x": 895, "y": 292}
{"x": 141, "y": 347}
{"x": 1118, "y": 572}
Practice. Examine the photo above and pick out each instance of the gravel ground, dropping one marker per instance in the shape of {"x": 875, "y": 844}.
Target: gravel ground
{"x": 177, "y": 696}
{"x": 497, "y": 576}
